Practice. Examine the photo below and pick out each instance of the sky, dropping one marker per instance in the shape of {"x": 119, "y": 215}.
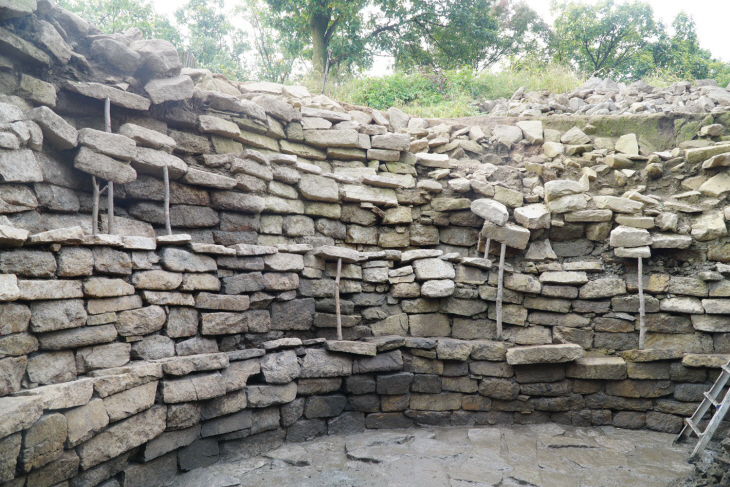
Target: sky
{"x": 709, "y": 15}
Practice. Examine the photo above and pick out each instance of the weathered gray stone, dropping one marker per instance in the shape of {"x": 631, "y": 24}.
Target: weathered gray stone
{"x": 104, "y": 167}
{"x": 55, "y": 129}
{"x": 102, "y": 356}
{"x": 142, "y": 321}
{"x": 130, "y": 402}
{"x": 544, "y": 354}
{"x": 170, "y": 89}
{"x": 57, "y": 315}
{"x": 193, "y": 388}
{"x": 123, "y": 437}
{"x": 19, "y": 413}
{"x": 65, "y": 395}
{"x": 51, "y": 368}
{"x": 264, "y": 396}
{"x": 320, "y": 363}
{"x": 85, "y": 421}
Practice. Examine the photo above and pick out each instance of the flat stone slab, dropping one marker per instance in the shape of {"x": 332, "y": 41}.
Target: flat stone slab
{"x": 247, "y": 250}
{"x": 712, "y": 361}
{"x": 355, "y": 348}
{"x": 282, "y": 343}
{"x": 544, "y": 354}
{"x": 202, "y": 248}
{"x": 329, "y": 252}
{"x": 651, "y": 355}
{"x": 116, "y": 96}
{"x": 179, "y": 239}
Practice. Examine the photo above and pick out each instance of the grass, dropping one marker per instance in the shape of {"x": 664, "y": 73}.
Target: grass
{"x": 452, "y": 94}
{"x": 445, "y": 94}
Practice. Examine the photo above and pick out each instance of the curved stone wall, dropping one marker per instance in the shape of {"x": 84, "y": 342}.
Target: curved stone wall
{"x": 127, "y": 356}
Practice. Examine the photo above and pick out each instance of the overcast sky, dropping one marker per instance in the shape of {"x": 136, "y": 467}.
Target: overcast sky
{"x": 711, "y": 17}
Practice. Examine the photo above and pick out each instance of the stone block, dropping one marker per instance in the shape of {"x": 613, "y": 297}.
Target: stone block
{"x": 123, "y": 436}
{"x": 85, "y": 421}
{"x": 544, "y": 354}
{"x": 193, "y": 388}
{"x": 268, "y": 395}
{"x": 608, "y": 368}
{"x": 43, "y": 442}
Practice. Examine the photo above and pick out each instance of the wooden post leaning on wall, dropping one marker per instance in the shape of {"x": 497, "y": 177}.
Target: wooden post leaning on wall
{"x": 500, "y": 285}
{"x": 337, "y": 299}
{"x": 642, "y": 305}
{"x": 166, "y": 177}
{"x": 109, "y": 184}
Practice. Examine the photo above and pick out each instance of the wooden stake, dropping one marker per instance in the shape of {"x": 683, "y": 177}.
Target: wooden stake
{"x": 486, "y": 248}
{"x": 499, "y": 290}
{"x": 109, "y": 184}
{"x": 337, "y": 299}
{"x": 110, "y": 209}
{"x": 107, "y": 115}
{"x": 166, "y": 177}
{"x": 95, "y": 207}
{"x": 642, "y": 307}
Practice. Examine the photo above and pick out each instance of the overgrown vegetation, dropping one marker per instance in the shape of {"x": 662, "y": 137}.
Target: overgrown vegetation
{"x": 449, "y": 93}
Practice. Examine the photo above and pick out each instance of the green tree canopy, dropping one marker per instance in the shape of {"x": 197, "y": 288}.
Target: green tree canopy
{"x": 436, "y": 33}
{"x": 604, "y": 38}
{"x": 112, "y": 16}
{"x": 212, "y": 38}
{"x": 275, "y": 52}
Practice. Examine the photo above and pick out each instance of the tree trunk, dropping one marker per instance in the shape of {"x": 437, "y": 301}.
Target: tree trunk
{"x": 318, "y": 29}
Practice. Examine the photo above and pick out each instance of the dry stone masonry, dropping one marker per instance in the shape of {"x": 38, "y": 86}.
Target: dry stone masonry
{"x": 505, "y": 271}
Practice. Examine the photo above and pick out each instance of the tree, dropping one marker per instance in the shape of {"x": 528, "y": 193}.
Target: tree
{"x": 495, "y": 31}
{"x": 113, "y": 16}
{"x": 436, "y": 33}
{"x": 212, "y": 39}
{"x": 276, "y": 53}
{"x": 603, "y": 38}
{"x": 318, "y": 21}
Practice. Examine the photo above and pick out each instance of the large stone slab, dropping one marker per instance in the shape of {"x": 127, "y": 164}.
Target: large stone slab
{"x": 55, "y": 129}
{"x": 105, "y": 167}
{"x": 544, "y": 354}
{"x": 115, "y": 95}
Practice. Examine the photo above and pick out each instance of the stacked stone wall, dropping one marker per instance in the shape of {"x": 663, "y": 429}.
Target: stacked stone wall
{"x": 126, "y": 357}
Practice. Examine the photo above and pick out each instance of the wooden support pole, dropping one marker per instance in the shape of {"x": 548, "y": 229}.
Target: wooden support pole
{"x": 110, "y": 209}
{"x": 166, "y": 177}
{"x": 642, "y": 306}
{"x": 337, "y": 299}
{"x": 499, "y": 290}
{"x": 95, "y": 207}
{"x": 109, "y": 184}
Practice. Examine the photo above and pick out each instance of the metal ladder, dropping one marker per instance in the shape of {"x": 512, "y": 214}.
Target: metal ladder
{"x": 721, "y": 409}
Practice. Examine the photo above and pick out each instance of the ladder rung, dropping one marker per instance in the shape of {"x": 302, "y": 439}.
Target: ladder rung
{"x": 694, "y": 427}
{"x": 711, "y": 399}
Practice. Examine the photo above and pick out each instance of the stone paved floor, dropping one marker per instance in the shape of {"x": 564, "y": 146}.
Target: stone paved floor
{"x": 537, "y": 455}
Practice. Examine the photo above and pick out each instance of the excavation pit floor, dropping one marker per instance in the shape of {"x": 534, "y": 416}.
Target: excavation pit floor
{"x": 528, "y": 455}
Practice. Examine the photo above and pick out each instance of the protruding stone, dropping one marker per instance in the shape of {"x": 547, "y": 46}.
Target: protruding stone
{"x": 544, "y": 354}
